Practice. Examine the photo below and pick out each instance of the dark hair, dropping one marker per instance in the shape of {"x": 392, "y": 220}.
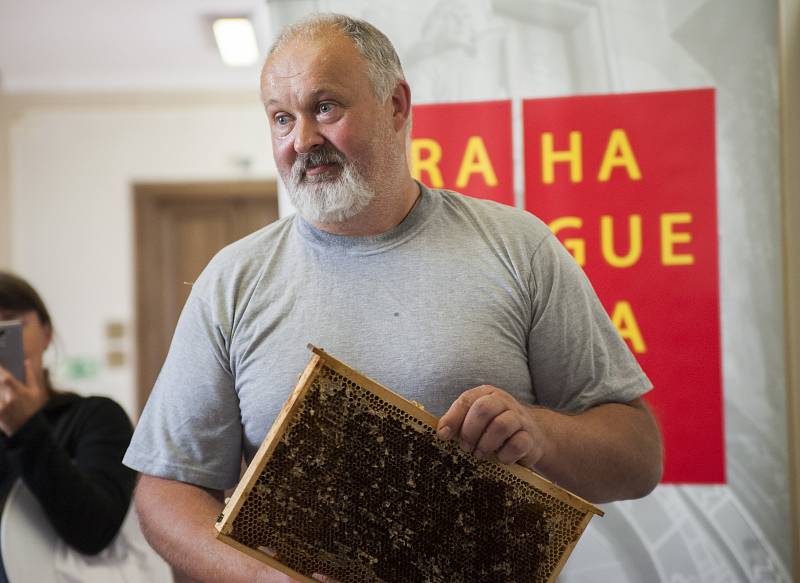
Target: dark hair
{"x": 18, "y": 295}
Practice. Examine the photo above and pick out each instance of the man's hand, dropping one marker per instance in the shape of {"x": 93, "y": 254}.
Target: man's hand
{"x": 607, "y": 452}
{"x": 489, "y": 422}
{"x": 19, "y": 401}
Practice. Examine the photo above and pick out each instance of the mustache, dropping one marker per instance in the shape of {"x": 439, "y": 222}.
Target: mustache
{"x": 322, "y": 156}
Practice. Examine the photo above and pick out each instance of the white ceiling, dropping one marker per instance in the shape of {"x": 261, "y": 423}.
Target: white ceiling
{"x": 120, "y": 45}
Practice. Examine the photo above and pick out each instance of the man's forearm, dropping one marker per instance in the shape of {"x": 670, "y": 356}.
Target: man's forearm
{"x": 178, "y": 522}
{"x": 608, "y": 452}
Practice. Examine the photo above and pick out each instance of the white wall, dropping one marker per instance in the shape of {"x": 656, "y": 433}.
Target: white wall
{"x": 790, "y": 130}
{"x": 71, "y": 208}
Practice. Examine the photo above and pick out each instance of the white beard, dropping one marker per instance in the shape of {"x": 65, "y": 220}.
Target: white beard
{"x": 325, "y": 200}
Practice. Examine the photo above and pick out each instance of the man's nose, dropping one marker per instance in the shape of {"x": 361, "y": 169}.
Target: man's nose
{"x": 306, "y": 136}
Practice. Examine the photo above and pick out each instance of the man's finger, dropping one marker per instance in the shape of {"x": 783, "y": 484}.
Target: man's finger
{"x": 516, "y": 447}
{"x": 450, "y": 423}
{"x": 501, "y": 428}
{"x": 478, "y": 419}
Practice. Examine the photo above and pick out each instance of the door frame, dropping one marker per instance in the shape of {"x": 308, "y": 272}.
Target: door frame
{"x": 147, "y": 196}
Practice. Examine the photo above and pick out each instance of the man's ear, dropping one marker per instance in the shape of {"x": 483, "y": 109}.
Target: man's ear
{"x": 401, "y": 105}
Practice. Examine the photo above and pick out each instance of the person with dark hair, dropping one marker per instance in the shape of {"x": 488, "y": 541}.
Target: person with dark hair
{"x": 67, "y": 449}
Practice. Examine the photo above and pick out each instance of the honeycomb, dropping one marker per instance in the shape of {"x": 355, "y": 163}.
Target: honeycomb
{"x": 359, "y": 488}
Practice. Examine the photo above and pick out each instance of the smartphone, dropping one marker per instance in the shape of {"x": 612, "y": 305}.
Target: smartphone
{"x": 12, "y": 356}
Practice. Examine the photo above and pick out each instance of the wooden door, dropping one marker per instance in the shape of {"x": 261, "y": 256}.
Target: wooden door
{"x": 179, "y": 228}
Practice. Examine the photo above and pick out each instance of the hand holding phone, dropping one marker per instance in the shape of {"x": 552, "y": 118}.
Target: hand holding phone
{"x": 21, "y": 395}
{"x": 12, "y": 355}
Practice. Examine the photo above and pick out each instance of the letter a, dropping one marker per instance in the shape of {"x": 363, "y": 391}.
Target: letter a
{"x": 476, "y": 161}
{"x": 619, "y": 153}
{"x": 627, "y": 327}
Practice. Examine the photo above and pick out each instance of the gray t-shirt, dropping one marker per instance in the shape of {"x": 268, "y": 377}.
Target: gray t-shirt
{"x": 463, "y": 292}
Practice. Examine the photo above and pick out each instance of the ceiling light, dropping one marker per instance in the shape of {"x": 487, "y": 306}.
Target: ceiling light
{"x": 236, "y": 41}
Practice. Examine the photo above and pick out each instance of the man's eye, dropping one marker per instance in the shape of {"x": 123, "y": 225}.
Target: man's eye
{"x": 325, "y": 107}
{"x": 281, "y": 119}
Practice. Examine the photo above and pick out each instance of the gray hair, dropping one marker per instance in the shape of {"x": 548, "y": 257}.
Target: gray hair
{"x": 383, "y": 64}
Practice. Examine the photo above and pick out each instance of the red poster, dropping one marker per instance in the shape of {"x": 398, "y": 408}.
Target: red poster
{"x": 465, "y": 147}
{"x": 628, "y": 183}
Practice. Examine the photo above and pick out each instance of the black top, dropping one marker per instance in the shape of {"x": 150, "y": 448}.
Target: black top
{"x": 70, "y": 457}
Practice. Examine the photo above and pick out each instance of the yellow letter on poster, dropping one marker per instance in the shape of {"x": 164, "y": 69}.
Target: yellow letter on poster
{"x": 476, "y": 161}
{"x": 430, "y": 163}
{"x": 550, "y": 156}
{"x": 576, "y": 246}
{"x": 619, "y": 153}
{"x": 669, "y": 238}
{"x": 607, "y": 241}
{"x": 627, "y": 327}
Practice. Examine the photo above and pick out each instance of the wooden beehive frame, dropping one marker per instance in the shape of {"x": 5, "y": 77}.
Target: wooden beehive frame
{"x": 319, "y": 361}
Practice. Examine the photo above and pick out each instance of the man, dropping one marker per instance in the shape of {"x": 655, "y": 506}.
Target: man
{"x": 472, "y": 308}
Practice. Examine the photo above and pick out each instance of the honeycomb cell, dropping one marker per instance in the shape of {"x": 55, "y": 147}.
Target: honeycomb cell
{"x": 361, "y": 490}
